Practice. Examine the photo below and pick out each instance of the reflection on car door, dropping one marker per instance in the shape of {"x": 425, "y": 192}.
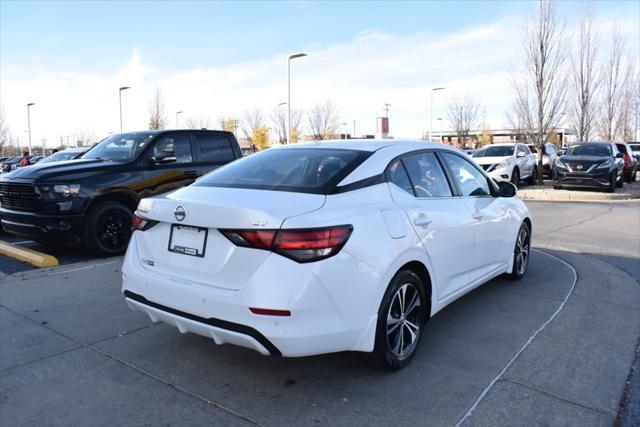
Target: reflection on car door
{"x": 491, "y": 223}
{"x": 441, "y": 220}
{"x": 163, "y": 177}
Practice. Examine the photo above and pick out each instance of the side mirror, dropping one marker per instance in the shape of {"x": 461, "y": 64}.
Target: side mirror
{"x": 520, "y": 154}
{"x": 620, "y": 156}
{"x": 507, "y": 189}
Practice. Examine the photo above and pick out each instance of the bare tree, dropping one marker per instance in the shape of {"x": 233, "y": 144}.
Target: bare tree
{"x": 323, "y": 120}
{"x": 253, "y": 123}
{"x": 157, "y": 118}
{"x": 463, "y": 114}
{"x": 200, "y": 122}
{"x": 540, "y": 92}
{"x": 614, "y": 80}
{"x": 84, "y": 138}
{"x": 585, "y": 79}
{"x": 627, "y": 121}
{"x": 279, "y": 122}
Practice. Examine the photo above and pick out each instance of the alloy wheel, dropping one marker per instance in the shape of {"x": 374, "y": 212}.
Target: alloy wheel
{"x": 403, "y": 321}
{"x": 522, "y": 251}
{"x": 113, "y": 229}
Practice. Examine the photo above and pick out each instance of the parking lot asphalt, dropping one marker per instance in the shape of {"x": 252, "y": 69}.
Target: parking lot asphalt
{"x": 64, "y": 255}
{"x": 71, "y": 352}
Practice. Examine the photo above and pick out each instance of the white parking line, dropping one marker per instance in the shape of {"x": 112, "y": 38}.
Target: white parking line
{"x": 526, "y": 344}
{"x": 82, "y": 268}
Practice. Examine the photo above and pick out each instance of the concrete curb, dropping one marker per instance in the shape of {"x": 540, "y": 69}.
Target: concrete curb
{"x": 573, "y": 196}
{"x": 35, "y": 258}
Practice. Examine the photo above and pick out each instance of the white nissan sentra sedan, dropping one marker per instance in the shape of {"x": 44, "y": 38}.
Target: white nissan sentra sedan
{"x": 325, "y": 247}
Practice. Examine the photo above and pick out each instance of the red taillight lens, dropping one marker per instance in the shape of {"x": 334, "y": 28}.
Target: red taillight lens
{"x": 301, "y": 245}
{"x": 261, "y": 239}
{"x": 141, "y": 224}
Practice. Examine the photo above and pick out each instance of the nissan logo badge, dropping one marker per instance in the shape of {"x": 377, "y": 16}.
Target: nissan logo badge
{"x": 180, "y": 213}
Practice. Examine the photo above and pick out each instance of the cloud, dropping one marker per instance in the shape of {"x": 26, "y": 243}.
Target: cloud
{"x": 359, "y": 75}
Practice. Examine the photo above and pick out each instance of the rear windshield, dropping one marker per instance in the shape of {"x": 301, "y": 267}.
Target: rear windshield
{"x": 301, "y": 170}
{"x": 635, "y": 147}
{"x": 496, "y": 151}
{"x": 599, "y": 150}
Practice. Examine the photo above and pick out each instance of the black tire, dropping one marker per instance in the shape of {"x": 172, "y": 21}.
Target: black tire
{"x": 108, "y": 228}
{"x": 612, "y": 184}
{"x": 620, "y": 182}
{"x": 533, "y": 179}
{"x": 557, "y": 187}
{"x": 522, "y": 249}
{"x": 407, "y": 324}
{"x": 515, "y": 177}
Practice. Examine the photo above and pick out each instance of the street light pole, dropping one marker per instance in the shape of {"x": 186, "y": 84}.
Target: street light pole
{"x": 294, "y": 56}
{"x": 431, "y": 113}
{"x": 120, "y": 102}
{"x": 29, "y": 123}
{"x": 177, "y": 123}
{"x": 345, "y": 129}
{"x": 440, "y": 129}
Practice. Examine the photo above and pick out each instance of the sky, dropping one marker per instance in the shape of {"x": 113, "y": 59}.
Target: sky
{"x": 219, "y": 59}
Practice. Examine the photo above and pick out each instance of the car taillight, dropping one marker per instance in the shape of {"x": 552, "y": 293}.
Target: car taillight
{"x": 301, "y": 245}
{"x": 141, "y": 224}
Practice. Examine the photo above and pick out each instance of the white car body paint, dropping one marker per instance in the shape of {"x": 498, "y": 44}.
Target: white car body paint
{"x": 462, "y": 242}
{"x": 501, "y": 168}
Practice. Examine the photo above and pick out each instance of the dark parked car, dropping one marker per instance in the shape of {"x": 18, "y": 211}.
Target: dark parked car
{"x": 590, "y": 164}
{"x": 91, "y": 200}
{"x": 10, "y": 164}
{"x": 630, "y": 161}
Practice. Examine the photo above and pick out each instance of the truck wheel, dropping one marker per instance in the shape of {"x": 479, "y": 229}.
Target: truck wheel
{"x": 108, "y": 228}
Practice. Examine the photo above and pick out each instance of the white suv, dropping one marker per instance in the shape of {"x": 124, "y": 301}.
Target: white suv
{"x": 508, "y": 162}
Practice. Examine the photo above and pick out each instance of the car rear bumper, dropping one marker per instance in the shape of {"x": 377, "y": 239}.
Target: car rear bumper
{"x": 63, "y": 228}
{"x": 564, "y": 179}
{"x": 317, "y": 322}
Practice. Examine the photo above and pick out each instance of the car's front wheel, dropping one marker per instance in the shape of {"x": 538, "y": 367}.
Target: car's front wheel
{"x": 521, "y": 253}
{"x": 401, "y": 319}
{"x": 108, "y": 228}
{"x": 620, "y": 181}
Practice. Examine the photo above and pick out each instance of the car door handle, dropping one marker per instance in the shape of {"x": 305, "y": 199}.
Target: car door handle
{"x": 477, "y": 215}
{"x": 422, "y": 221}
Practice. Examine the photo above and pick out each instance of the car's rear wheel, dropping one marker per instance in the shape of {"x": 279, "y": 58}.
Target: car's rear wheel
{"x": 521, "y": 253}
{"x": 108, "y": 228}
{"x": 401, "y": 319}
{"x": 533, "y": 179}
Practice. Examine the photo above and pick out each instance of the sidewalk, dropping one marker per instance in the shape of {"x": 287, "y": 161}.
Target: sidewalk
{"x": 546, "y": 192}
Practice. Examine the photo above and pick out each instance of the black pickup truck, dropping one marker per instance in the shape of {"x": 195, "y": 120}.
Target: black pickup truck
{"x": 90, "y": 200}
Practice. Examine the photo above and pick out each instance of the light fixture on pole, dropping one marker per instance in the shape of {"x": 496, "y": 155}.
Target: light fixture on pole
{"x": 120, "y": 102}
{"x": 29, "y": 123}
{"x": 431, "y": 113}
{"x": 294, "y": 56}
{"x": 177, "y": 122}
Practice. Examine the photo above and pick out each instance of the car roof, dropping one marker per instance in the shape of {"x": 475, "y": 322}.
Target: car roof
{"x": 366, "y": 144}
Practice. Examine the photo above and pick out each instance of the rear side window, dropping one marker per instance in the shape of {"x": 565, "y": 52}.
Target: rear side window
{"x": 302, "y": 170}
{"x": 214, "y": 148}
{"x": 398, "y": 176}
